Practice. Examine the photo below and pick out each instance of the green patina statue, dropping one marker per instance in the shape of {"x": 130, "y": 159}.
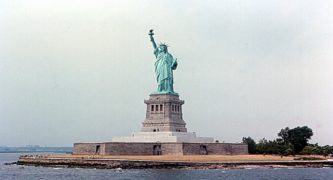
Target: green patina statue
{"x": 164, "y": 66}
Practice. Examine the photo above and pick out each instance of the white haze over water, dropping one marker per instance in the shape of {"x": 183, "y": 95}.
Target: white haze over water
{"x": 79, "y": 70}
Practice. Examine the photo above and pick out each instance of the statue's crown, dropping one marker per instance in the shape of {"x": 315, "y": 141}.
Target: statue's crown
{"x": 163, "y": 44}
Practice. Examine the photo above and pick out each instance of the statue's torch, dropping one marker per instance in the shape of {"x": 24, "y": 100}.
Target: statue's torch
{"x": 151, "y": 33}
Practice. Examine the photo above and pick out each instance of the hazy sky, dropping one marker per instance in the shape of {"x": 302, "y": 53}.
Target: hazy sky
{"x": 79, "y": 70}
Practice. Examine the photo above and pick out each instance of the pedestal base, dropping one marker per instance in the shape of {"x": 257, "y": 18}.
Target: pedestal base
{"x": 164, "y": 137}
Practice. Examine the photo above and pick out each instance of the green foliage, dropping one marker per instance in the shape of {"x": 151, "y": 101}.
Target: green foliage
{"x": 274, "y": 147}
{"x": 288, "y": 151}
{"x": 298, "y": 137}
{"x": 250, "y": 143}
{"x": 290, "y": 142}
{"x": 315, "y": 149}
{"x": 307, "y": 150}
{"x": 327, "y": 150}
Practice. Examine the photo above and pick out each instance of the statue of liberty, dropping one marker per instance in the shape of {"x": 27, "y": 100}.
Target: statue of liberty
{"x": 164, "y": 66}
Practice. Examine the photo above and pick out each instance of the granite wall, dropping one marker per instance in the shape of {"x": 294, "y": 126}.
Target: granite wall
{"x": 214, "y": 148}
{"x": 129, "y": 148}
{"x": 89, "y": 148}
{"x": 119, "y": 148}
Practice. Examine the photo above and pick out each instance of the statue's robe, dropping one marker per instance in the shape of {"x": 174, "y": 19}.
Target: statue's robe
{"x": 164, "y": 65}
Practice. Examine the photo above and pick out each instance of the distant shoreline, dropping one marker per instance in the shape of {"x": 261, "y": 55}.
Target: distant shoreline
{"x": 128, "y": 162}
{"x": 36, "y": 149}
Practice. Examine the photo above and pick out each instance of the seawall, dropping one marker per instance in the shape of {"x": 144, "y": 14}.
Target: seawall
{"x": 113, "y": 163}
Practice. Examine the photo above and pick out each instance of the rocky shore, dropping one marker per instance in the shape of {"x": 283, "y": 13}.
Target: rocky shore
{"x": 114, "y": 163}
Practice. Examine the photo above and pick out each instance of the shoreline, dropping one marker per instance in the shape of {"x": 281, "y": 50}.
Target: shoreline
{"x": 148, "y": 162}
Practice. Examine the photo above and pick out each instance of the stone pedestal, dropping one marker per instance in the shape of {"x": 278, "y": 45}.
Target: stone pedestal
{"x": 164, "y": 114}
{"x": 164, "y": 123}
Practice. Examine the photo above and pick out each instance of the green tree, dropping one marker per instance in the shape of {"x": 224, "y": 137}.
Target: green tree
{"x": 318, "y": 150}
{"x": 288, "y": 150}
{"x": 274, "y": 147}
{"x": 262, "y": 146}
{"x": 307, "y": 150}
{"x": 326, "y": 150}
{"x": 298, "y": 137}
{"x": 250, "y": 143}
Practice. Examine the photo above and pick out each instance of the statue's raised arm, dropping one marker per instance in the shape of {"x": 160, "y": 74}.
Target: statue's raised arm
{"x": 151, "y": 33}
